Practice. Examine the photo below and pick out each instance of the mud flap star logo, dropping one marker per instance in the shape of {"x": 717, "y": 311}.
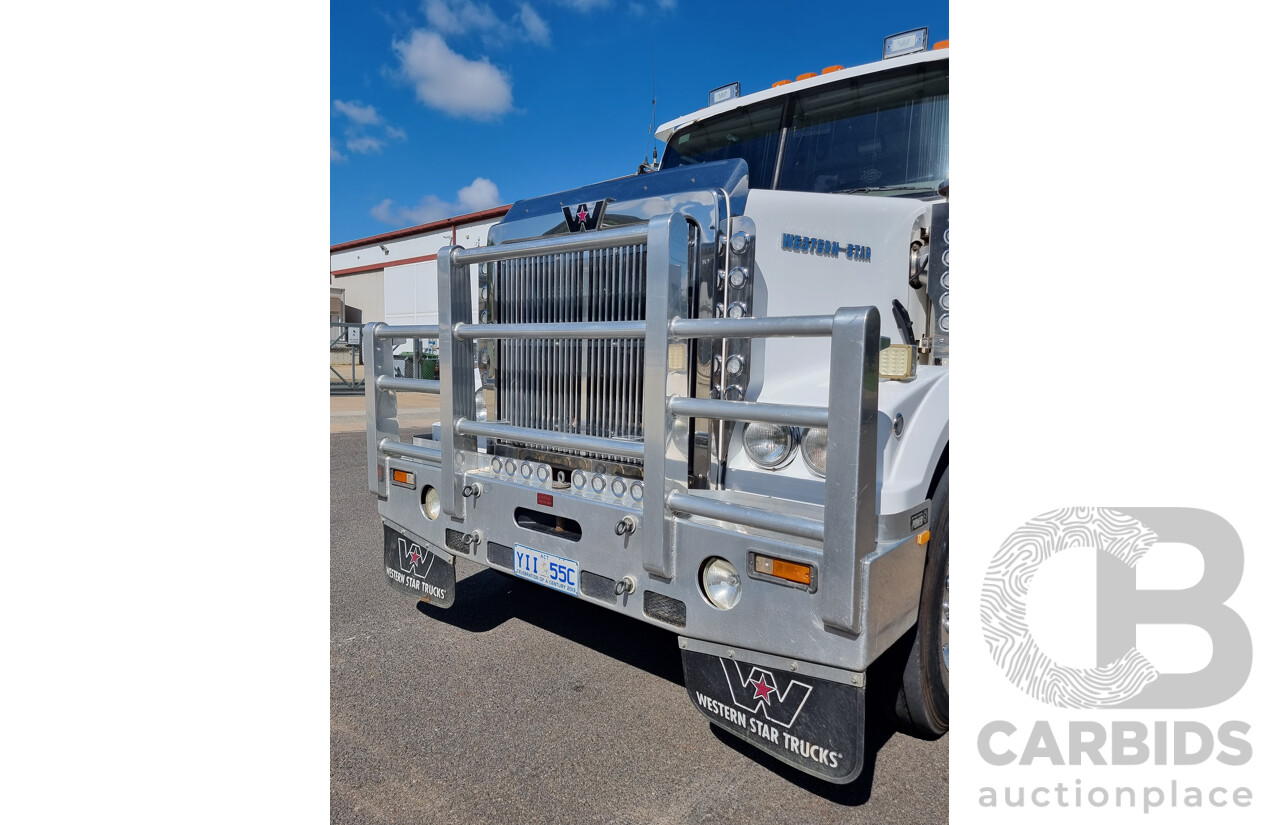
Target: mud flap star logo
{"x": 763, "y": 689}
{"x": 412, "y": 557}
{"x": 758, "y": 693}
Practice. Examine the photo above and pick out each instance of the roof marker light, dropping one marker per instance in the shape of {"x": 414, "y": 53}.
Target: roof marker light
{"x": 942, "y": 44}
{"x": 780, "y": 83}
{"x": 806, "y": 75}
{"x": 831, "y": 69}
{"x": 896, "y": 45}
{"x": 726, "y": 92}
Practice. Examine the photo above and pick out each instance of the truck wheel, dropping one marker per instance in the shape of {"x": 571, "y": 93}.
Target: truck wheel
{"x": 924, "y": 698}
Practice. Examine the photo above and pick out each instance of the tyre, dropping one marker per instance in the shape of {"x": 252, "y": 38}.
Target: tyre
{"x": 923, "y": 704}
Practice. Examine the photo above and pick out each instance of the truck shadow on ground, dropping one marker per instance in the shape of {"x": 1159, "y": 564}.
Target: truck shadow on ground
{"x": 488, "y": 599}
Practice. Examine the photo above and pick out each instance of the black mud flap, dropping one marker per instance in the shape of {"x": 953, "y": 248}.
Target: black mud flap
{"x": 810, "y": 723}
{"x": 418, "y": 569}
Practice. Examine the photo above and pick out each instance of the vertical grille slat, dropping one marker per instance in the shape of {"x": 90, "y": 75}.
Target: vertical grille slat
{"x": 589, "y": 387}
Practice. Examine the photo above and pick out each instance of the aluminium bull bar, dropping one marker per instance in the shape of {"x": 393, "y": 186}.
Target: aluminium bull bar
{"x": 847, "y": 529}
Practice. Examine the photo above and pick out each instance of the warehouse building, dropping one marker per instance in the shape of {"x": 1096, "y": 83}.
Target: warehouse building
{"x": 392, "y": 277}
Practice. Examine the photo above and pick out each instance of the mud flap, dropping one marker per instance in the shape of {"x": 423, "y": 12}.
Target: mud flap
{"x": 812, "y": 723}
{"x": 418, "y": 569}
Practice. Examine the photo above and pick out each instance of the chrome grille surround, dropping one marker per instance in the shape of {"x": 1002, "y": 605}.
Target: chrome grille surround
{"x": 586, "y": 387}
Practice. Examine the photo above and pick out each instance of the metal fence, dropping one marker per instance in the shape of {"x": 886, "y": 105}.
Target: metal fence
{"x": 346, "y": 362}
{"x": 346, "y": 359}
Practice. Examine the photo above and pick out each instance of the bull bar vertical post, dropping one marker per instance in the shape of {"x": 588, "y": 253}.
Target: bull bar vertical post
{"x": 849, "y": 516}
{"x": 379, "y": 405}
{"x": 666, "y": 465}
{"x": 457, "y": 380}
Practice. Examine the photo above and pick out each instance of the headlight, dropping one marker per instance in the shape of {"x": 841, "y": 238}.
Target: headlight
{"x": 431, "y": 503}
{"x": 769, "y": 445}
{"x": 813, "y": 446}
{"x": 721, "y": 583}
{"x": 482, "y": 411}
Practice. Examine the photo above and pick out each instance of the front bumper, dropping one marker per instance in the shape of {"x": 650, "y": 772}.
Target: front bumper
{"x": 772, "y": 616}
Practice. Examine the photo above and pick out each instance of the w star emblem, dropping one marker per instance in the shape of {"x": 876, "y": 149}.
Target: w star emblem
{"x": 580, "y": 219}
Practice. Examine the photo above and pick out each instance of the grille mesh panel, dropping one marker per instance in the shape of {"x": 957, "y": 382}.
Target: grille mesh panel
{"x": 584, "y": 387}
{"x": 501, "y": 555}
{"x": 453, "y": 539}
{"x": 598, "y": 587}
{"x": 664, "y": 608}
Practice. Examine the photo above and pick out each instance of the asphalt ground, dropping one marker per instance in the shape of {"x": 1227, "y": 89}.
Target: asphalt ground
{"x": 522, "y": 705}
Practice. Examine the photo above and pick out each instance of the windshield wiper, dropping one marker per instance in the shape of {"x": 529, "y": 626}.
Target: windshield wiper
{"x": 916, "y": 186}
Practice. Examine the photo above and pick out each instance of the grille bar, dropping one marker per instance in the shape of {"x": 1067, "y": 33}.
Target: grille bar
{"x": 581, "y": 386}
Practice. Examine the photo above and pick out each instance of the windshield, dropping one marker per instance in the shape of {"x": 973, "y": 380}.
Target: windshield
{"x": 750, "y": 134}
{"x": 884, "y": 133}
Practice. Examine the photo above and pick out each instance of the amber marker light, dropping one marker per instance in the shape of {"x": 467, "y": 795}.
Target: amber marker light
{"x": 806, "y": 75}
{"x": 831, "y": 69}
{"x": 404, "y": 478}
{"x": 923, "y": 538}
{"x": 780, "y": 83}
{"x": 792, "y": 572}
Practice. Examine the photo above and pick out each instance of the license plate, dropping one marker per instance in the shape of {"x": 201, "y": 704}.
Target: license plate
{"x": 553, "y": 571}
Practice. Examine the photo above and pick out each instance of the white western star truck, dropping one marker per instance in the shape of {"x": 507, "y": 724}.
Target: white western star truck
{"x": 712, "y": 397}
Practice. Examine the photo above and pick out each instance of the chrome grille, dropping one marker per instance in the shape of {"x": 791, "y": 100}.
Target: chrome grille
{"x": 589, "y": 387}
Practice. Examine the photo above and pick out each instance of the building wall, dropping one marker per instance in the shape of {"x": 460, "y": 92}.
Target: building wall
{"x": 364, "y": 291}
{"x": 394, "y": 279}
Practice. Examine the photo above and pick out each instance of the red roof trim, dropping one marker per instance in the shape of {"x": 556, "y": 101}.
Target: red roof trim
{"x": 483, "y": 215}
{"x": 371, "y": 267}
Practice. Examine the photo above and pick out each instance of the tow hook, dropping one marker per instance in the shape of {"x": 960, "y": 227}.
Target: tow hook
{"x": 627, "y": 585}
{"x": 626, "y": 525}
{"x": 473, "y": 539}
{"x": 473, "y": 490}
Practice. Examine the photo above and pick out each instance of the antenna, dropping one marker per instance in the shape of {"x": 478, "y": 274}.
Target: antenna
{"x": 653, "y": 100}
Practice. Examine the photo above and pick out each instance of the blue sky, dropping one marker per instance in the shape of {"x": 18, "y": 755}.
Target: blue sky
{"x": 439, "y": 107}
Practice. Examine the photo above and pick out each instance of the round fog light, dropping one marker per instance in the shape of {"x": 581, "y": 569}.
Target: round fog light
{"x": 813, "y": 446}
{"x": 720, "y": 583}
{"x": 769, "y": 445}
{"x": 431, "y": 503}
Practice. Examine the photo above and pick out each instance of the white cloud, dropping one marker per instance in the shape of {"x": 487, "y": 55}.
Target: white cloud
{"x": 358, "y": 140}
{"x": 363, "y": 144}
{"x": 536, "y": 29}
{"x": 644, "y": 9}
{"x": 460, "y": 16}
{"x": 482, "y": 193}
{"x": 447, "y": 81}
{"x": 357, "y": 112}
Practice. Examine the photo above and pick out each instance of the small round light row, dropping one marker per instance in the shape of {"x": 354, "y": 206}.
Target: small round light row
{"x": 521, "y": 469}
{"x": 773, "y": 446}
{"x": 597, "y": 483}
{"x": 944, "y": 300}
